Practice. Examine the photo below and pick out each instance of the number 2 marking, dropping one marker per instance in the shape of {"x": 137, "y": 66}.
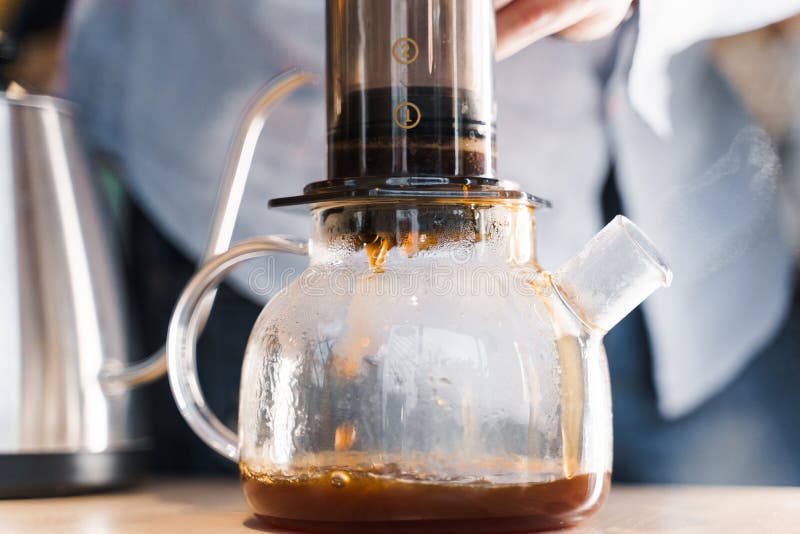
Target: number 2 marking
{"x": 405, "y": 50}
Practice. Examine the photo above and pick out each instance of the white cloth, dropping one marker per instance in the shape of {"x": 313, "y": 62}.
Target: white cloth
{"x": 163, "y": 83}
{"x": 709, "y": 196}
{"x": 668, "y": 27}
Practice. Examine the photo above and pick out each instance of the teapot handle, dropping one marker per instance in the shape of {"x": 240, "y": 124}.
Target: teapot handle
{"x": 237, "y": 167}
{"x": 183, "y": 331}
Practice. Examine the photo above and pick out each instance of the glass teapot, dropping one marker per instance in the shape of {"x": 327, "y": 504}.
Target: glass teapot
{"x": 424, "y": 373}
{"x": 424, "y": 368}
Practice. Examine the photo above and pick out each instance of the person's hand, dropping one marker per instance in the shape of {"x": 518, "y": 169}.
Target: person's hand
{"x": 522, "y": 22}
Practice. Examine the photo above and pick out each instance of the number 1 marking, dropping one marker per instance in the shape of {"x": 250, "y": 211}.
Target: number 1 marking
{"x": 403, "y": 117}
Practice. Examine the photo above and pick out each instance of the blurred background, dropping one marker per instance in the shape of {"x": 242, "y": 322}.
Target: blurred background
{"x": 158, "y": 90}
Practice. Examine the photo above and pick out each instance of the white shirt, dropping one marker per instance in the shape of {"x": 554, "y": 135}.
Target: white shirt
{"x": 162, "y": 85}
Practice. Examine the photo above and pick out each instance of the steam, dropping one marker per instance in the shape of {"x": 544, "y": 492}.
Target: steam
{"x": 753, "y": 164}
{"x": 751, "y": 148}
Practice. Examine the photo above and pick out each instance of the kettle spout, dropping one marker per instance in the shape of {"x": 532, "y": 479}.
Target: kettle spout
{"x": 615, "y": 272}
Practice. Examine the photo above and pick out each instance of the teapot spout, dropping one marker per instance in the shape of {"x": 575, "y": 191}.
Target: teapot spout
{"x": 615, "y": 272}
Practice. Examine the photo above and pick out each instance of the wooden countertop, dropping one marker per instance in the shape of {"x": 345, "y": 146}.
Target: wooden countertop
{"x": 209, "y": 505}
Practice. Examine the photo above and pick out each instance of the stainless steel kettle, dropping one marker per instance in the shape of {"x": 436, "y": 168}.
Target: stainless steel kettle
{"x": 67, "y": 420}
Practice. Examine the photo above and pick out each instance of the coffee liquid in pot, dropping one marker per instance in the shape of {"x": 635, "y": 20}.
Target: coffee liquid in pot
{"x": 385, "y": 499}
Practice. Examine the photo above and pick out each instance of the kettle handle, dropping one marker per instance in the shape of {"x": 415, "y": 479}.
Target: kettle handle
{"x": 184, "y": 328}
{"x": 237, "y": 168}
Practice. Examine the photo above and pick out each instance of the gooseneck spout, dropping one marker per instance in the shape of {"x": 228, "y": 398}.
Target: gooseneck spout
{"x": 229, "y": 199}
{"x": 615, "y": 272}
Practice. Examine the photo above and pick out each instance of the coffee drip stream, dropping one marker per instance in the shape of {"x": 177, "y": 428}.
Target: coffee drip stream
{"x": 424, "y": 373}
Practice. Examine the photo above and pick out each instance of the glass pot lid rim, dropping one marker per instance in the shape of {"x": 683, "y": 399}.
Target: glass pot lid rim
{"x": 412, "y": 188}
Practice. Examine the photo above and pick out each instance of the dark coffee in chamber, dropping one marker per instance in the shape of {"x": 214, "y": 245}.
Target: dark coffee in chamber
{"x": 425, "y": 131}
{"x": 384, "y": 499}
